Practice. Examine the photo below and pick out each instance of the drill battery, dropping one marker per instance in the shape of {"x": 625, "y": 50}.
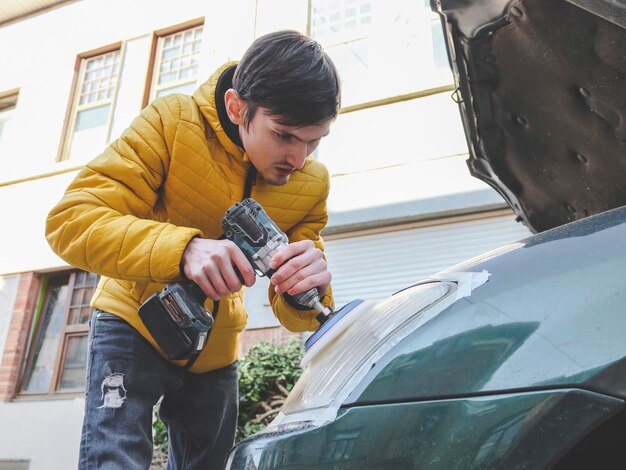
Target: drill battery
{"x": 177, "y": 319}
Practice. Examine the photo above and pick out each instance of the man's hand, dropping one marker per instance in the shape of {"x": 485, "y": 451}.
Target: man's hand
{"x": 299, "y": 267}
{"x": 211, "y": 264}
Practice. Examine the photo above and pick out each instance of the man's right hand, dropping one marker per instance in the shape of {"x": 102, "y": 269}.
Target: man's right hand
{"x": 211, "y": 264}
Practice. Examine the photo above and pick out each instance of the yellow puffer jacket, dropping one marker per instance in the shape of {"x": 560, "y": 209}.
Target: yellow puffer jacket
{"x": 130, "y": 213}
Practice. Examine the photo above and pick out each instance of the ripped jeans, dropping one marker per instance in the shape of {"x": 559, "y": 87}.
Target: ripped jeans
{"x": 125, "y": 379}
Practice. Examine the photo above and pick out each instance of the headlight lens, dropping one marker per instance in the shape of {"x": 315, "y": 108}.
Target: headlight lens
{"x": 334, "y": 370}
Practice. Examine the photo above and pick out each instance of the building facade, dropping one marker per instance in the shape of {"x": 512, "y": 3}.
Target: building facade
{"x": 75, "y": 73}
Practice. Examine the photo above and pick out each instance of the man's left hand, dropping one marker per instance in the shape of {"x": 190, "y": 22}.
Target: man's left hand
{"x": 299, "y": 267}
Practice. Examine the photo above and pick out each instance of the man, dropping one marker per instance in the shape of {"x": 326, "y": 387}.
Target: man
{"x": 147, "y": 212}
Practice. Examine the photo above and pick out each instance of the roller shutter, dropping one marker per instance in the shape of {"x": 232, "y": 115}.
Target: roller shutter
{"x": 374, "y": 265}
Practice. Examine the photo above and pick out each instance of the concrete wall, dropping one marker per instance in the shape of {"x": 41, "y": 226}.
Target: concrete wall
{"x": 8, "y": 292}
{"x": 381, "y": 147}
{"x": 40, "y": 63}
{"x": 47, "y": 433}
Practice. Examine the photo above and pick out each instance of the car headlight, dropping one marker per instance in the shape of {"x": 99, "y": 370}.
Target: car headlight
{"x": 335, "y": 369}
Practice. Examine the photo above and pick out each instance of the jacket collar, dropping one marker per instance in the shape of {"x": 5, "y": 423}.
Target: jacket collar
{"x": 210, "y": 99}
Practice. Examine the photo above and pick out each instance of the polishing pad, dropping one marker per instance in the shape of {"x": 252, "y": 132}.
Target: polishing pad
{"x": 330, "y": 329}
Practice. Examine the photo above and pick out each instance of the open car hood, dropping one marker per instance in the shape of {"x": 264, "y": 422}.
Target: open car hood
{"x": 542, "y": 92}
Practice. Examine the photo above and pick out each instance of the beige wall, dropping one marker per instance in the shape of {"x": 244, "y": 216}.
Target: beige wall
{"x": 8, "y": 292}
{"x": 372, "y": 154}
{"x": 45, "y": 432}
{"x": 40, "y": 64}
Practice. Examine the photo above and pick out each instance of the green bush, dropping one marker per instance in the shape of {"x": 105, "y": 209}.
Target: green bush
{"x": 159, "y": 437}
{"x": 267, "y": 373}
{"x": 266, "y": 376}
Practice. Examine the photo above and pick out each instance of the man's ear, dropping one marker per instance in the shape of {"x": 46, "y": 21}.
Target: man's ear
{"x": 235, "y": 106}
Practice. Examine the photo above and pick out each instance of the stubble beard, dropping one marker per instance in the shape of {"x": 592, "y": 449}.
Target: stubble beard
{"x": 273, "y": 179}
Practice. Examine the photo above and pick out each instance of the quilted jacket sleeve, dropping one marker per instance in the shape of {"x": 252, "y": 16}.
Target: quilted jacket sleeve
{"x": 309, "y": 228}
{"x": 102, "y": 224}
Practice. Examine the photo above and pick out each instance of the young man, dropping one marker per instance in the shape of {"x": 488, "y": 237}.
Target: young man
{"x": 147, "y": 212}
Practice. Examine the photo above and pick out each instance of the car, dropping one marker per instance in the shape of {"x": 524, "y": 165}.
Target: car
{"x": 515, "y": 359}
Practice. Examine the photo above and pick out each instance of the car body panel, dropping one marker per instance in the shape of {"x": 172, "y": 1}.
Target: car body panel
{"x": 511, "y": 376}
{"x": 552, "y": 314}
{"x": 542, "y": 96}
{"x": 528, "y": 368}
{"x": 500, "y": 431}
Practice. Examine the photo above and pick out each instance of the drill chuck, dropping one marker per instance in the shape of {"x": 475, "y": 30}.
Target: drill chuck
{"x": 311, "y": 300}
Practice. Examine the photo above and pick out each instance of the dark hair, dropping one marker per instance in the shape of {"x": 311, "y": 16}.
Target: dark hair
{"x": 290, "y": 75}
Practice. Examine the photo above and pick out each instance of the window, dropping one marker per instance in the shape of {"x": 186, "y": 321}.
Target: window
{"x": 382, "y": 49}
{"x": 8, "y": 102}
{"x": 92, "y": 105}
{"x": 58, "y": 345}
{"x": 176, "y": 62}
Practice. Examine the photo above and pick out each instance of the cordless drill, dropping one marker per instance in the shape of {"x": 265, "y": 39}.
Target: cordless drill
{"x": 249, "y": 227}
{"x": 176, "y": 316}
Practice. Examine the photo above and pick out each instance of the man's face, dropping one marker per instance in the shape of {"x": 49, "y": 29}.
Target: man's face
{"x": 277, "y": 150}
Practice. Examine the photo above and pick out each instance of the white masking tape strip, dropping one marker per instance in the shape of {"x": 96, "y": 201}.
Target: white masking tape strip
{"x": 467, "y": 281}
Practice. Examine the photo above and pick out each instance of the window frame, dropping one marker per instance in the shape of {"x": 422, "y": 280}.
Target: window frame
{"x": 157, "y": 39}
{"x": 9, "y": 98}
{"x": 66, "y": 332}
{"x": 71, "y": 112}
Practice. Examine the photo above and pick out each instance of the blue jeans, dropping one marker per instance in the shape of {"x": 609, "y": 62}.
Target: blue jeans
{"x": 125, "y": 379}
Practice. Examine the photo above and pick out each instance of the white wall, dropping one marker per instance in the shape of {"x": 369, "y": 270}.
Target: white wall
{"x": 372, "y": 154}
{"x": 45, "y": 432}
{"x": 8, "y": 293}
{"x": 23, "y": 246}
{"x": 40, "y": 62}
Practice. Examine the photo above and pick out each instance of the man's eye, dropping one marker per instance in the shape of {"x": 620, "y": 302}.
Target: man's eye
{"x": 285, "y": 137}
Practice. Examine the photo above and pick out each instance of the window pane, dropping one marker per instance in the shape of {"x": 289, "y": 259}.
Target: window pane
{"x": 170, "y": 53}
{"x": 84, "y": 287}
{"x": 381, "y": 49}
{"x": 51, "y": 334}
{"x": 5, "y": 116}
{"x": 74, "y": 364}
{"x": 185, "y": 72}
{"x": 93, "y": 104}
{"x": 94, "y": 117}
{"x": 79, "y": 311}
{"x": 184, "y": 89}
{"x": 439, "y": 45}
{"x": 167, "y": 77}
{"x": 92, "y": 279}
{"x": 74, "y": 315}
{"x": 90, "y": 132}
{"x": 45, "y": 351}
{"x": 79, "y": 279}
{"x": 172, "y": 70}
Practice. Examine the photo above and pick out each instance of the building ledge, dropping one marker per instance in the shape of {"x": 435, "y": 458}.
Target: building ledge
{"x": 415, "y": 210}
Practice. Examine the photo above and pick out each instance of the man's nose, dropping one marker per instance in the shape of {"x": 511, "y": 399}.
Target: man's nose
{"x": 297, "y": 155}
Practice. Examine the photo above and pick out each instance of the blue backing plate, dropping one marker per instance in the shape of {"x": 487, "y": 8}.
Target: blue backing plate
{"x": 328, "y": 324}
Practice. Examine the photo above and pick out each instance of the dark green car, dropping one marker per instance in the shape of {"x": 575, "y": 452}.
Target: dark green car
{"x": 516, "y": 359}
